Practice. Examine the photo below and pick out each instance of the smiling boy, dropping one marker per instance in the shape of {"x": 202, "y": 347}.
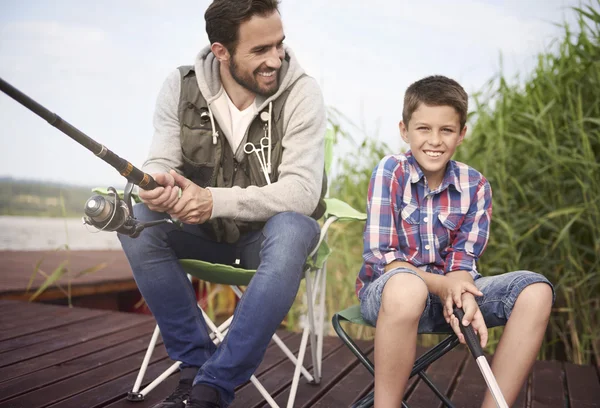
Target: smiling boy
{"x": 428, "y": 224}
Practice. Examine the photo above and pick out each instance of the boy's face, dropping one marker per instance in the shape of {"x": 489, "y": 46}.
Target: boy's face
{"x": 433, "y": 133}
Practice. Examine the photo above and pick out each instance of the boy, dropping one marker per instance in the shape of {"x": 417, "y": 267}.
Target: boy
{"x": 428, "y": 223}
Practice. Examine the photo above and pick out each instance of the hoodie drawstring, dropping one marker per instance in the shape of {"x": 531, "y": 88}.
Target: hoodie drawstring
{"x": 215, "y": 133}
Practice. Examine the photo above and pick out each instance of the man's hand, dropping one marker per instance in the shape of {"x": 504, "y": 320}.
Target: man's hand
{"x": 472, "y": 316}
{"x": 450, "y": 291}
{"x": 161, "y": 198}
{"x": 195, "y": 204}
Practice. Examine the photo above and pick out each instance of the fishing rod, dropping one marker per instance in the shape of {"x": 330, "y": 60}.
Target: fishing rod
{"x": 110, "y": 213}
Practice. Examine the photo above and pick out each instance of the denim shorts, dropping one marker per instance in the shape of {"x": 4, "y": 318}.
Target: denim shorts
{"x": 500, "y": 293}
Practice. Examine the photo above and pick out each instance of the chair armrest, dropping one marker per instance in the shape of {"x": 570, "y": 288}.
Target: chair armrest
{"x": 104, "y": 191}
{"x": 343, "y": 211}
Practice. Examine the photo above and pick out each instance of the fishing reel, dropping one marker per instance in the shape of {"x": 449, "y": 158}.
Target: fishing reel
{"x": 113, "y": 213}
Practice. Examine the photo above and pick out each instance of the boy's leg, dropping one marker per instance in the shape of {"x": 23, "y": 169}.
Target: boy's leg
{"x": 396, "y": 301}
{"x": 525, "y": 297}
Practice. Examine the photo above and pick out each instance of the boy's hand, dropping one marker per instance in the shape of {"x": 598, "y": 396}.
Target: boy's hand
{"x": 450, "y": 291}
{"x": 472, "y": 316}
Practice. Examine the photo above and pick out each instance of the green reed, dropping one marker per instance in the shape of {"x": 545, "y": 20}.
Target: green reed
{"x": 538, "y": 143}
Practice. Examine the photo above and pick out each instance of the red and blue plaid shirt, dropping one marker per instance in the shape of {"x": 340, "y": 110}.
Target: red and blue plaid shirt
{"x": 437, "y": 231}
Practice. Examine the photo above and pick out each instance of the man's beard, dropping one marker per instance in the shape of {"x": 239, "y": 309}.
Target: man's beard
{"x": 249, "y": 81}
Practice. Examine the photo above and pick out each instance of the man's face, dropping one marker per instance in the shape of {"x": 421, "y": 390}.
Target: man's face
{"x": 257, "y": 58}
{"x": 433, "y": 134}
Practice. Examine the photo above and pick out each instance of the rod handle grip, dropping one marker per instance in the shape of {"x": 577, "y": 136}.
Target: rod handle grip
{"x": 470, "y": 337}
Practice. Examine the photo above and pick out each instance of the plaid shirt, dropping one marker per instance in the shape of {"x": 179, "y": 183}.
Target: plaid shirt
{"x": 437, "y": 231}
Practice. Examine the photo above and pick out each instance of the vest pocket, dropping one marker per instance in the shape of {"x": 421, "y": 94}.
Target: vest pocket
{"x": 200, "y": 174}
{"x": 198, "y": 153}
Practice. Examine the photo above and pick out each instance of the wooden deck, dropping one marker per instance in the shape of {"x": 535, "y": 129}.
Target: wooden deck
{"x": 17, "y": 267}
{"x": 53, "y": 356}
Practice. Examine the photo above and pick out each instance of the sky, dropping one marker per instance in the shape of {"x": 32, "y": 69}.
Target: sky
{"x": 100, "y": 64}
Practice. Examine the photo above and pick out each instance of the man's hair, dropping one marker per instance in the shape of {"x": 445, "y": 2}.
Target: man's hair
{"x": 436, "y": 90}
{"x": 224, "y": 17}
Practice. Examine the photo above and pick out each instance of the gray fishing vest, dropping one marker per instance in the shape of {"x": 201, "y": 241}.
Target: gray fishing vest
{"x": 210, "y": 164}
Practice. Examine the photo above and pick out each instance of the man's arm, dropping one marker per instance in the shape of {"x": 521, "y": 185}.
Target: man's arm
{"x": 298, "y": 187}
{"x": 165, "y": 149}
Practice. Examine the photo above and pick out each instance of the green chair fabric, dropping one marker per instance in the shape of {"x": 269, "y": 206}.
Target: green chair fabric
{"x": 353, "y": 315}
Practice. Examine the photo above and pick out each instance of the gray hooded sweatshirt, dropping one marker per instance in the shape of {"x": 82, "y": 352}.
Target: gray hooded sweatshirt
{"x": 298, "y": 187}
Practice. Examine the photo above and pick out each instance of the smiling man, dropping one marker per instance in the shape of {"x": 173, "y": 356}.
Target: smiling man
{"x": 238, "y": 150}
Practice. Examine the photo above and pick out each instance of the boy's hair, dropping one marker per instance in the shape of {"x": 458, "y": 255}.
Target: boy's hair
{"x": 223, "y": 18}
{"x": 436, "y": 90}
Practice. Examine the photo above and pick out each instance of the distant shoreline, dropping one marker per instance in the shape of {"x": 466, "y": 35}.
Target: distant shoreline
{"x": 33, "y": 233}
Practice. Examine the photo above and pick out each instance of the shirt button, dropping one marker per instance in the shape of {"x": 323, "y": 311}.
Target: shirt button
{"x": 426, "y": 219}
{"x": 427, "y": 247}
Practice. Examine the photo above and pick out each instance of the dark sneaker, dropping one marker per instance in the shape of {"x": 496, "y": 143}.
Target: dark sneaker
{"x": 178, "y": 398}
{"x": 203, "y": 396}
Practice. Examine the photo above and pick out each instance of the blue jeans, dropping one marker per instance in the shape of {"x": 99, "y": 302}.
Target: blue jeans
{"x": 500, "y": 293}
{"x": 278, "y": 253}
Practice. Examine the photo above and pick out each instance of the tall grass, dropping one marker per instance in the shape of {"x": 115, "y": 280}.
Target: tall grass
{"x": 538, "y": 143}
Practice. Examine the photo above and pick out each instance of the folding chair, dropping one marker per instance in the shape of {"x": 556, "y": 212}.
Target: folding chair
{"x": 353, "y": 315}
{"x": 315, "y": 278}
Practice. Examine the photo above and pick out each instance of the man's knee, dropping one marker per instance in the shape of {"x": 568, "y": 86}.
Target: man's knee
{"x": 291, "y": 228}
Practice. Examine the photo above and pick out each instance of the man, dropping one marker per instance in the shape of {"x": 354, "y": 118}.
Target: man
{"x": 240, "y": 204}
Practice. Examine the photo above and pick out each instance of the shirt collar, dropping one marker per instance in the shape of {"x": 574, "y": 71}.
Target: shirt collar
{"x": 452, "y": 175}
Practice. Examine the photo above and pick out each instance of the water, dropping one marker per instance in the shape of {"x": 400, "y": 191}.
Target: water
{"x": 41, "y": 233}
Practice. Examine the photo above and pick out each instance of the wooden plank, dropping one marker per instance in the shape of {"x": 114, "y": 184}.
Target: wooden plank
{"x": 18, "y": 313}
{"x": 115, "y": 389}
{"x": 547, "y": 388}
{"x": 359, "y": 380}
{"x": 73, "y": 386}
{"x": 167, "y": 386}
{"x": 17, "y": 267}
{"x": 50, "y": 319}
{"x": 50, "y": 375}
{"x": 443, "y": 373}
{"x": 335, "y": 366}
{"x": 70, "y": 335}
{"x": 583, "y": 386}
{"x": 470, "y": 387}
{"x": 155, "y": 396}
{"x": 74, "y": 352}
{"x": 278, "y": 378}
{"x": 47, "y": 335}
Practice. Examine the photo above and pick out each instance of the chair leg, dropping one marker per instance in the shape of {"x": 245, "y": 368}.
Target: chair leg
{"x": 335, "y": 321}
{"x": 282, "y": 345}
{"x": 435, "y": 389}
{"x": 296, "y": 377}
{"x": 311, "y": 295}
{"x": 321, "y": 321}
{"x": 219, "y": 338}
{"x": 135, "y": 394}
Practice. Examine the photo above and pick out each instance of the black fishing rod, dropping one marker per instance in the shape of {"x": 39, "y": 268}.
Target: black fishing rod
{"x": 110, "y": 213}
{"x": 126, "y": 169}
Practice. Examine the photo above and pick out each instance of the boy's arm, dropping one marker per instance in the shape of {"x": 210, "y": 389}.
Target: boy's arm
{"x": 381, "y": 244}
{"x": 472, "y": 237}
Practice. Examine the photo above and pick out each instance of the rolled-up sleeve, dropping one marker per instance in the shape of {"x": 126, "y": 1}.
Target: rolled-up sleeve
{"x": 473, "y": 235}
